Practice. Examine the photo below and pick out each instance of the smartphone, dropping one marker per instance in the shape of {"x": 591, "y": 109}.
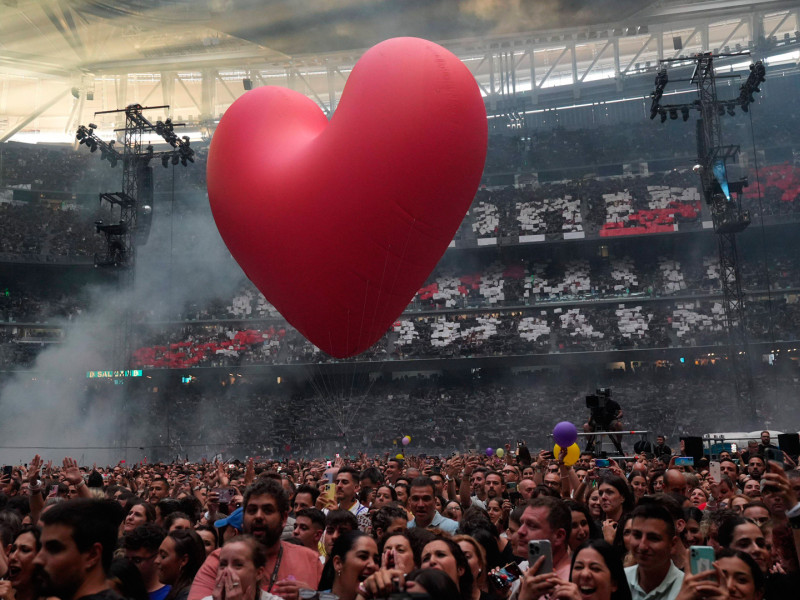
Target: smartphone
{"x": 330, "y": 491}
{"x": 54, "y": 490}
{"x": 715, "y": 471}
{"x": 505, "y": 576}
{"x": 225, "y": 494}
{"x": 511, "y": 486}
{"x": 684, "y": 461}
{"x": 537, "y": 548}
{"x": 701, "y": 558}
{"x": 602, "y": 463}
{"x": 7, "y": 470}
{"x": 774, "y": 454}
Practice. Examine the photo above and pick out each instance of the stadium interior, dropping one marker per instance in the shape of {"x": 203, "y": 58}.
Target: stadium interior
{"x": 588, "y": 258}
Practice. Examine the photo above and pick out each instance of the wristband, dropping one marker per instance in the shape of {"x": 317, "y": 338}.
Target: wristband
{"x": 36, "y": 487}
{"x": 80, "y": 484}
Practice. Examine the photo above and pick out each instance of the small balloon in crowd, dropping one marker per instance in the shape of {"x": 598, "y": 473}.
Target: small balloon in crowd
{"x": 500, "y": 453}
{"x": 565, "y": 434}
{"x": 406, "y": 441}
{"x": 573, "y": 454}
{"x": 489, "y": 451}
{"x": 399, "y": 457}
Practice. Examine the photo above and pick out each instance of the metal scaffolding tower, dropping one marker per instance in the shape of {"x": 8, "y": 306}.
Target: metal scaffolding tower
{"x": 724, "y": 200}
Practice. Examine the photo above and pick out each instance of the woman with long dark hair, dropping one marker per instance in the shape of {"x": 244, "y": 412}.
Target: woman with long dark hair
{"x": 178, "y": 559}
{"x": 353, "y": 559}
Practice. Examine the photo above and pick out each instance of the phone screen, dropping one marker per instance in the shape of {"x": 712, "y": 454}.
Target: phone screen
{"x": 714, "y": 470}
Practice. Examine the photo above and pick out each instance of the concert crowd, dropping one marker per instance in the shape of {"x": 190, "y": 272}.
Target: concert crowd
{"x": 511, "y": 522}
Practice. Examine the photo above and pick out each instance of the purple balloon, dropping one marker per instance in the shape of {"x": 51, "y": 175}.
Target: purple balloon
{"x": 565, "y": 434}
{"x": 489, "y": 452}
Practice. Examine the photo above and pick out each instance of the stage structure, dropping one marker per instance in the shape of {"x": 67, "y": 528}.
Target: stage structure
{"x": 135, "y": 200}
{"x": 722, "y": 196}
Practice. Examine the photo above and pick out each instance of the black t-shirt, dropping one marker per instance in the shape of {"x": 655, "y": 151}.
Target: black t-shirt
{"x": 606, "y": 414}
{"x": 108, "y": 594}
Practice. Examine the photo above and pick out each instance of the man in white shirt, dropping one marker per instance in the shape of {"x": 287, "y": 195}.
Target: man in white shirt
{"x": 653, "y": 538}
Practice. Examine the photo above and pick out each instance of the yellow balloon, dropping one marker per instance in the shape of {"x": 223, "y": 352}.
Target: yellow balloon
{"x": 399, "y": 457}
{"x": 500, "y": 453}
{"x": 573, "y": 454}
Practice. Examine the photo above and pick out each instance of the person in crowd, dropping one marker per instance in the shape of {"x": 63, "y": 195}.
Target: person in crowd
{"x": 757, "y": 512}
{"x": 242, "y": 570}
{"x": 616, "y": 499}
{"x": 177, "y": 520}
{"x": 433, "y": 583}
{"x": 139, "y": 513}
{"x": 446, "y": 555}
{"x": 400, "y": 551}
{"x": 309, "y": 525}
{"x": 653, "y": 537}
{"x": 125, "y": 578}
{"x": 337, "y": 523}
{"x": 638, "y": 484}
{"x": 498, "y": 516}
{"x": 596, "y": 573}
{"x": 693, "y": 531}
{"x": 583, "y": 526}
{"x": 209, "y": 536}
{"x": 384, "y": 494}
{"x": 179, "y": 557}
{"x": 21, "y": 572}
{"x": 347, "y": 489}
{"x": 423, "y": 506}
{"x": 305, "y": 496}
{"x": 387, "y": 520}
{"x": 159, "y": 489}
{"x": 452, "y": 510}
{"x": 141, "y": 548}
{"x": 393, "y": 471}
{"x": 353, "y": 559}
{"x": 476, "y": 558}
{"x": 661, "y": 448}
{"x": 743, "y": 577}
{"x": 266, "y": 508}
{"x": 77, "y": 547}
{"x": 594, "y": 505}
{"x": 546, "y": 518}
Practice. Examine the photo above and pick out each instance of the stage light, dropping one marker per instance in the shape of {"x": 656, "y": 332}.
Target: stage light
{"x": 673, "y": 114}
{"x": 175, "y": 158}
{"x": 165, "y": 160}
{"x": 731, "y": 109}
{"x": 663, "y": 114}
{"x": 685, "y": 112}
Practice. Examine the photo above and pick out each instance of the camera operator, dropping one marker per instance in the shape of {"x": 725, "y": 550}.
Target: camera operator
{"x": 605, "y": 415}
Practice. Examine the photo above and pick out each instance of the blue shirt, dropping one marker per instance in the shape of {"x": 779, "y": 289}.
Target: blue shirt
{"x": 160, "y": 593}
{"x": 438, "y": 522}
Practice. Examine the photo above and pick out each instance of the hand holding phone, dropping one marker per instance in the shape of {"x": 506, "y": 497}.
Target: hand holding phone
{"x": 684, "y": 461}
{"x": 537, "y": 549}
{"x": 701, "y": 558}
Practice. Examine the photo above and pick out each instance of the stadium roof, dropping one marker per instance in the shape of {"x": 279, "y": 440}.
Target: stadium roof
{"x": 62, "y": 60}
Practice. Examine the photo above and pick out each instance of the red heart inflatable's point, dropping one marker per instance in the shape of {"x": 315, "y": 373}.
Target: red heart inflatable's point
{"x": 339, "y": 223}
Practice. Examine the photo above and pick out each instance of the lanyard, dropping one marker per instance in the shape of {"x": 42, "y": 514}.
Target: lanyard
{"x": 275, "y": 570}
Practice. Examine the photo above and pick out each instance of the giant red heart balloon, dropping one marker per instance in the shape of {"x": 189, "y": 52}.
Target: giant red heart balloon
{"x": 339, "y": 223}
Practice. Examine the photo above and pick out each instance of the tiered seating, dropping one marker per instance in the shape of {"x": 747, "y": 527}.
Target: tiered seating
{"x": 532, "y": 329}
{"x": 218, "y": 343}
{"x": 666, "y": 207}
{"x": 576, "y": 278}
{"x": 632, "y": 323}
{"x": 485, "y": 219}
{"x": 686, "y": 321}
{"x": 532, "y": 216}
{"x": 672, "y": 280}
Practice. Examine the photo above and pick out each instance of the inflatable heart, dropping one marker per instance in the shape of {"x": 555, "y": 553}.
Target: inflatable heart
{"x": 339, "y": 223}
